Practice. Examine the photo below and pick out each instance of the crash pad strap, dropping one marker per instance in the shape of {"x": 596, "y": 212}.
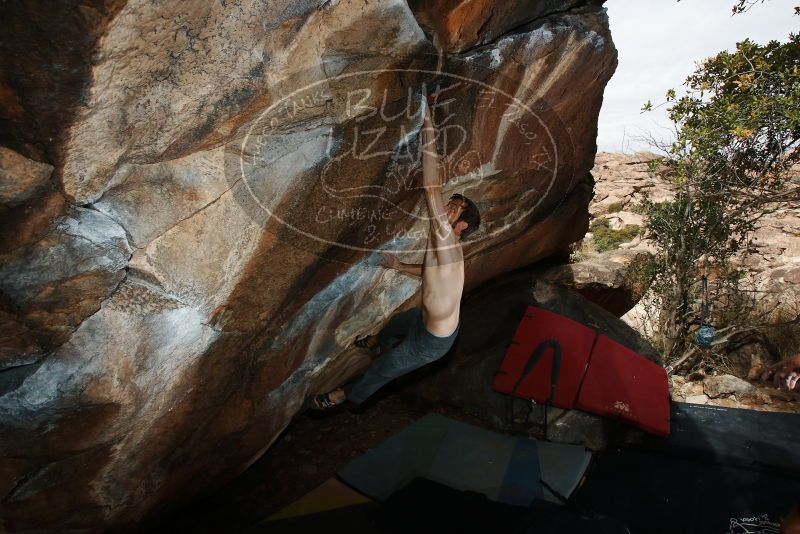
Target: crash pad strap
{"x": 546, "y": 359}
{"x": 535, "y": 358}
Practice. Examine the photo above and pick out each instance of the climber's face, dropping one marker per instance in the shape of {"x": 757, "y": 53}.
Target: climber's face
{"x": 454, "y": 208}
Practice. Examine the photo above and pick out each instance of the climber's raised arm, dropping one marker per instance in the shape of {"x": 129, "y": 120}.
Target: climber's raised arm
{"x": 442, "y": 240}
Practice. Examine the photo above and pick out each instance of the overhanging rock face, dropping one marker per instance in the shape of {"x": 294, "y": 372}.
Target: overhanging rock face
{"x": 224, "y": 175}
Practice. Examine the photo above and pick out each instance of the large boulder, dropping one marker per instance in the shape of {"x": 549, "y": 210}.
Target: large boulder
{"x": 224, "y": 175}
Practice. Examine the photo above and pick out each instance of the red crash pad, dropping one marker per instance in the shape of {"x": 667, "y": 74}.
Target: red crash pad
{"x": 622, "y": 384}
{"x": 558, "y": 361}
{"x": 542, "y": 339}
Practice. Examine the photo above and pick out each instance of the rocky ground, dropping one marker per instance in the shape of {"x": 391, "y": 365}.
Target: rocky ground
{"x": 733, "y": 392}
{"x": 308, "y": 453}
{"x": 773, "y": 267}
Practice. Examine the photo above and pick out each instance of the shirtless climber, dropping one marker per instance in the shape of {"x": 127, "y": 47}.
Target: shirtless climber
{"x": 419, "y": 336}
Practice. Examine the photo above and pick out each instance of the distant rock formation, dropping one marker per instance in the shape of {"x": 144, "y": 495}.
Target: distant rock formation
{"x": 193, "y": 196}
{"x": 773, "y": 264}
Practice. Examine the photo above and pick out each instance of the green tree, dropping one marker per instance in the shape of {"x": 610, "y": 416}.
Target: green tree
{"x": 744, "y": 5}
{"x": 737, "y": 135}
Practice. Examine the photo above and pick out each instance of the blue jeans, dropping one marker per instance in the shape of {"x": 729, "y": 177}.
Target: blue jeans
{"x": 406, "y": 345}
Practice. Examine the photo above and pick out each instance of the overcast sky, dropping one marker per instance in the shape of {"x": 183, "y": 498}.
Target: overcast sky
{"x": 659, "y": 42}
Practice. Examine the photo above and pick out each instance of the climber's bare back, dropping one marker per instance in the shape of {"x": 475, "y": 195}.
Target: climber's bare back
{"x": 442, "y": 286}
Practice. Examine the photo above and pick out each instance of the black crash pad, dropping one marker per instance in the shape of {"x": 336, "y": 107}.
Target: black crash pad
{"x": 745, "y": 438}
{"x": 722, "y": 470}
